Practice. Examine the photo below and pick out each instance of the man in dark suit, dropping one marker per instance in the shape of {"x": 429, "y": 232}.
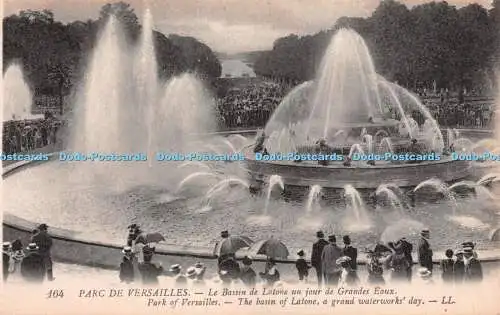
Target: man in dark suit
{"x": 350, "y": 252}
{"x": 6, "y": 254}
{"x": 43, "y": 240}
{"x": 317, "y": 250}
{"x": 407, "y": 248}
{"x": 33, "y": 267}
{"x": 424, "y": 250}
{"x": 473, "y": 269}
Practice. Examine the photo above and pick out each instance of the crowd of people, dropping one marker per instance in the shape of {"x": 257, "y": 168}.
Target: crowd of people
{"x": 28, "y": 135}
{"x": 33, "y": 263}
{"x": 464, "y": 115}
{"x": 333, "y": 265}
{"x": 251, "y": 105}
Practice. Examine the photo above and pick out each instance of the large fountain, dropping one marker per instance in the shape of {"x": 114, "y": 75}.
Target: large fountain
{"x": 123, "y": 107}
{"x": 354, "y": 113}
{"x": 17, "y": 97}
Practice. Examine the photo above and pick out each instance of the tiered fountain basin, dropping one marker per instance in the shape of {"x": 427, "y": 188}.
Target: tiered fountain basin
{"x": 377, "y": 141}
{"x": 336, "y": 175}
{"x": 50, "y": 192}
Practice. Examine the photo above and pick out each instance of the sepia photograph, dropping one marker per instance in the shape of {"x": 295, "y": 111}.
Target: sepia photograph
{"x": 253, "y": 156}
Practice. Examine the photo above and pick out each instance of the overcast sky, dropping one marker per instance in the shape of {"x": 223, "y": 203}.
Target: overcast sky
{"x": 225, "y": 25}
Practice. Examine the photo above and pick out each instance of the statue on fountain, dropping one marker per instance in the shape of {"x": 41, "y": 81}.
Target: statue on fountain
{"x": 323, "y": 148}
{"x": 414, "y": 148}
{"x": 259, "y": 144}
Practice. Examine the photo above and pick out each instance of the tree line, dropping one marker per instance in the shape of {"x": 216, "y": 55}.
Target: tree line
{"x": 54, "y": 55}
{"x": 433, "y": 44}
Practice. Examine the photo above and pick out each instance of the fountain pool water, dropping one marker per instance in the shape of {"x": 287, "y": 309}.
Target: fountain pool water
{"x": 190, "y": 202}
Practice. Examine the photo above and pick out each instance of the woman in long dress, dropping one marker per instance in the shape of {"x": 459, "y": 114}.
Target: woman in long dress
{"x": 16, "y": 259}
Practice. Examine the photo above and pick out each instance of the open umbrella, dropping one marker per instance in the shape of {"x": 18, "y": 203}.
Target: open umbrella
{"x": 149, "y": 238}
{"x": 271, "y": 248}
{"x": 231, "y": 244}
{"x": 378, "y": 250}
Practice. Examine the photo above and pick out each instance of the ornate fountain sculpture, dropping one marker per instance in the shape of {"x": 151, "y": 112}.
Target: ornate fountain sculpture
{"x": 349, "y": 110}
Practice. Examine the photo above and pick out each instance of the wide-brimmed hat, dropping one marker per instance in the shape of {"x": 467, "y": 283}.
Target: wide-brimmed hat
{"x": 6, "y": 246}
{"x": 247, "y": 261}
{"x": 199, "y": 265}
{"x": 468, "y": 244}
{"x": 191, "y": 272}
{"x": 468, "y": 250}
{"x": 200, "y": 268}
{"x": 127, "y": 250}
{"x": 343, "y": 260}
{"x": 32, "y": 247}
{"x": 175, "y": 268}
{"x": 424, "y": 272}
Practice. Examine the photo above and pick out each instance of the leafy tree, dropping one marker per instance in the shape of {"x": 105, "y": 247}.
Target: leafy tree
{"x": 54, "y": 55}
{"x": 415, "y": 47}
{"x": 44, "y": 16}
{"x": 199, "y": 57}
{"x": 124, "y": 14}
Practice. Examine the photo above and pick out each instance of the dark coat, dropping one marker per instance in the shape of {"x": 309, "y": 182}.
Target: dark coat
{"x": 150, "y": 272}
{"x": 43, "y": 240}
{"x": 32, "y": 268}
{"x": 317, "y": 250}
{"x": 248, "y": 277}
{"x": 399, "y": 265}
{"x": 5, "y": 264}
{"x": 407, "y": 248}
{"x": 127, "y": 270}
{"x": 352, "y": 253}
{"x": 459, "y": 271}
{"x": 231, "y": 266}
{"x": 473, "y": 271}
{"x": 425, "y": 254}
{"x": 302, "y": 268}
{"x": 375, "y": 272}
{"x": 447, "y": 270}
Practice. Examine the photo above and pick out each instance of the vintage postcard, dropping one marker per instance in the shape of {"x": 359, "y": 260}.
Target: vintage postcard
{"x": 250, "y": 157}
